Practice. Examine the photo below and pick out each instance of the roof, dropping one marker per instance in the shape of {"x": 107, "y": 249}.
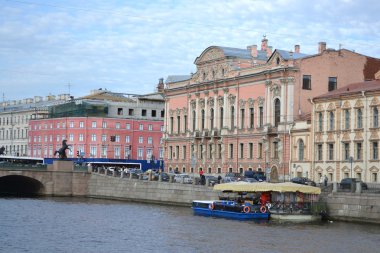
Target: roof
{"x": 353, "y": 88}
{"x": 286, "y": 54}
{"x": 236, "y": 52}
{"x": 107, "y": 95}
{"x": 177, "y": 78}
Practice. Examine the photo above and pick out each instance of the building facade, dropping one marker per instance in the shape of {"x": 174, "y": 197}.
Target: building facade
{"x": 15, "y": 117}
{"x": 236, "y": 112}
{"x": 346, "y": 133}
{"x": 102, "y": 125}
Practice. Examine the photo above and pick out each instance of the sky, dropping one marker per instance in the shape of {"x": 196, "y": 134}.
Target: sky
{"x": 73, "y": 46}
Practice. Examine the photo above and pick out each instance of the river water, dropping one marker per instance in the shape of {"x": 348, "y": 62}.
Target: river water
{"x": 90, "y": 225}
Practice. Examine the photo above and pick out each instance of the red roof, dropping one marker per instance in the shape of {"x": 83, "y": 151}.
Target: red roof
{"x": 353, "y": 88}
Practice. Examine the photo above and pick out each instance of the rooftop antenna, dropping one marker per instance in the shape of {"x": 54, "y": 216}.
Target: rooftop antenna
{"x": 69, "y": 86}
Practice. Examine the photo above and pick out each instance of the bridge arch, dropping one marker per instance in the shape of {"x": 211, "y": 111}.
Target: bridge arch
{"x": 20, "y": 185}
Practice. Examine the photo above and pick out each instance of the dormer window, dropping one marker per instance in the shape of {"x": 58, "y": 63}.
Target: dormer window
{"x": 278, "y": 60}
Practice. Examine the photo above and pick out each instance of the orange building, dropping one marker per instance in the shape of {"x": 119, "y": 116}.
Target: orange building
{"x": 236, "y": 112}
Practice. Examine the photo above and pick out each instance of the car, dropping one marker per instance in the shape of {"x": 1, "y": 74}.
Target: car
{"x": 232, "y": 177}
{"x": 185, "y": 178}
{"x": 303, "y": 180}
{"x": 212, "y": 180}
{"x": 136, "y": 173}
{"x": 250, "y": 180}
{"x": 346, "y": 183}
{"x": 258, "y": 175}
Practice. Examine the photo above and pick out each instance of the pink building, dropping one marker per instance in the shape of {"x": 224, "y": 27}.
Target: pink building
{"x": 127, "y": 128}
{"x": 236, "y": 112}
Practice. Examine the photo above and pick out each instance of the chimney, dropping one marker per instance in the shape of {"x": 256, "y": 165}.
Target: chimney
{"x": 297, "y": 49}
{"x": 269, "y": 51}
{"x": 264, "y": 44}
{"x": 321, "y": 47}
{"x": 253, "y": 50}
{"x": 160, "y": 85}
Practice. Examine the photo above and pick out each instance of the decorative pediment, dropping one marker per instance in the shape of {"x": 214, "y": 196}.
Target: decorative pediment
{"x": 374, "y": 169}
{"x": 346, "y": 169}
{"x": 320, "y": 108}
{"x": 346, "y": 137}
{"x": 210, "y": 102}
{"x": 210, "y": 54}
{"x": 260, "y": 101}
{"x": 331, "y": 137}
{"x": 319, "y": 138}
{"x": 359, "y": 103}
{"x": 346, "y": 105}
{"x": 374, "y": 135}
{"x": 358, "y": 136}
{"x": 374, "y": 102}
{"x": 202, "y": 103}
{"x": 276, "y": 90}
{"x": 193, "y": 104}
{"x": 251, "y": 102}
{"x": 330, "y": 169}
{"x": 331, "y": 107}
{"x": 358, "y": 169}
{"x": 319, "y": 169}
{"x": 242, "y": 103}
{"x": 232, "y": 99}
{"x": 221, "y": 101}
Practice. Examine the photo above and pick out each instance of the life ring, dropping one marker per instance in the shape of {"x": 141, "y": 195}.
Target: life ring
{"x": 263, "y": 209}
{"x": 211, "y": 206}
{"x": 247, "y": 209}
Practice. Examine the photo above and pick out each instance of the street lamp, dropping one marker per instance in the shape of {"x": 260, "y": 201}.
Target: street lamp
{"x": 351, "y": 160}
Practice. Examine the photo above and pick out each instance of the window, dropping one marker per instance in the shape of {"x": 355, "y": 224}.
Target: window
{"x": 358, "y": 151}
{"x": 301, "y": 148}
{"x": 221, "y": 123}
{"x": 162, "y": 113}
{"x": 141, "y": 127}
{"x": 161, "y": 153}
{"x": 203, "y": 119}
{"x": 375, "y": 117}
{"x": 211, "y": 118}
{"x": 185, "y": 122}
{"x": 319, "y": 152}
{"x": 104, "y": 151}
{"x": 320, "y": 122}
{"x": 332, "y": 118}
{"x": 150, "y": 127}
{"x": 275, "y": 150}
{"x": 251, "y": 118}
{"x": 375, "y": 155}
{"x": 241, "y": 150}
{"x": 261, "y": 114}
{"x": 117, "y": 126}
{"x": 346, "y": 119}
{"x": 154, "y": 113}
{"x": 130, "y": 112}
{"x": 242, "y": 117}
{"x": 232, "y": 117}
{"x": 260, "y": 150}
{"x": 128, "y": 126}
{"x": 194, "y": 115}
{"x": 93, "y": 124}
{"x": 201, "y": 151}
{"x": 161, "y": 128}
{"x": 93, "y": 137}
{"x": 231, "y": 151}
{"x": 277, "y": 111}
{"x": 250, "y": 150}
{"x": 306, "y": 82}
{"x": 210, "y": 151}
{"x": 331, "y": 151}
{"x": 178, "y": 124}
{"x": 346, "y": 151}
{"x": 104, "y": 137}
{"x": 119, "y": 111}
{"x": 176, "y": 152}
{"x": 219, "y": 151}
{"x": 332, "y": 83}
{"x": 71, "y": 124}
{"x": 127, "y": 139}
{"x": 150, "y": 140}
{"x": 143, "y": 112}
{"x": 117, "y": 138}
{"x": 183, "y": 152}
{"x": 359, "y": 118}
{"x": 104, "y": 124}
{"x": 141, "y": 139}
{"x": 140, "y": 153}
{"x": 93, "y": 151}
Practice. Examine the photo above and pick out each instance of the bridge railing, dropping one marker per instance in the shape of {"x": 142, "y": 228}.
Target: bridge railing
{"x": 14, "y": 166}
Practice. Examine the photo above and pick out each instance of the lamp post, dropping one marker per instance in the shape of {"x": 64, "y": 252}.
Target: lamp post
{"x": 351, "y": 160}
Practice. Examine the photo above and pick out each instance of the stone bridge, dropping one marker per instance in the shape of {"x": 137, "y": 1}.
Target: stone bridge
{"x": 57, "y": 179}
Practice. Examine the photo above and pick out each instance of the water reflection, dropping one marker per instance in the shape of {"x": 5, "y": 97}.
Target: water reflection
{"x": 93, "y": 225}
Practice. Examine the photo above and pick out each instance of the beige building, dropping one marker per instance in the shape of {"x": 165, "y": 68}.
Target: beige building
{"x": 15, "y": 117}
{"x": 346, "y": 133}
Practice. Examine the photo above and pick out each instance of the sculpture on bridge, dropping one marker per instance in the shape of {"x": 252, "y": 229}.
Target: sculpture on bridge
{"x": 62, "y": 151}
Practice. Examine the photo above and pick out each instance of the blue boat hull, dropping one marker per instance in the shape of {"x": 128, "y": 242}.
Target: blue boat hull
{"x": 230, "y": 215}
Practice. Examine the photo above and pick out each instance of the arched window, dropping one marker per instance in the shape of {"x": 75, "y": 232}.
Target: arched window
{"x": 375, "y": 117}
{"x": 320, "y": 122}
{"x": 359, "y": 123}
{"x": 232, "y": 117}
{"x": 203, "y": 119}
{"x": 277, "y": 111}
{"x": 347, "y": 119}
{"x": 211, "y": 118}
{"x": 332, "y": 118}
{"x": 301, "y": 148}
{"x": 221, "y": 118}
{"x": 194, "y": 116}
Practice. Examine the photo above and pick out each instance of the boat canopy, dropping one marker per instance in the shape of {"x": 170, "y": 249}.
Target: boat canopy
{"x": 266, "y": 187}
